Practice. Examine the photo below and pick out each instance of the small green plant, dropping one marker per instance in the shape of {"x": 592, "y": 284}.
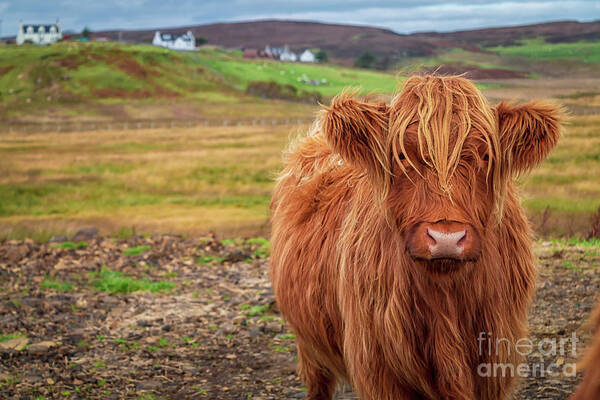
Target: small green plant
{"x": 136, "y": 251}
{"x": 56, "y": 285}
{"x": 69, "y": 245}
{"x": 264, "y": 247}
{"x": 281, "y": 349}
{"x": 99, "y": 365}
{"x": 162, "y": 342}
{"x": 267, "y": 318}
{"x": 116, "y": 282}
{"x": 11, "y": 336}
{"x": 203, "y": 260}
{"x": 258, "y": 310}
{"x": 287, "y": 336}
{"x": 100, "y": 338}
{"x": 101, "y": 382}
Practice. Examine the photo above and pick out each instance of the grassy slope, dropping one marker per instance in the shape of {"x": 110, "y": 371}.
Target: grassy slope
{"x": 108, "y": 72}
{"x": 586, "y": 52}
{"x": 239, "y": 72}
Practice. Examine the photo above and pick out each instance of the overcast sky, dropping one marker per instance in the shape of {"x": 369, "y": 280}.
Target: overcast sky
{"x": 400, "y": 16}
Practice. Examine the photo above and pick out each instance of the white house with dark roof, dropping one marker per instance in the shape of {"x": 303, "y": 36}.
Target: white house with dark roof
{"x": 185, "y": 41}
{"x": 288, "y": 55}
{"x": 39, "y": 34}
{"x": 307, "y": 56}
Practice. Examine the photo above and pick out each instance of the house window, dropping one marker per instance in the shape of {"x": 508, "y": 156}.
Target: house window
{"x": 53, "y": 29}
{"x": 41, "y": 29}
{"x": 30, "y": 29}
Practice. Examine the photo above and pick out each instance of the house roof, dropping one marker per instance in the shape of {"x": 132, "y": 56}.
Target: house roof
{"x": 36, "y": 28}
{"x": 171, "y": 37}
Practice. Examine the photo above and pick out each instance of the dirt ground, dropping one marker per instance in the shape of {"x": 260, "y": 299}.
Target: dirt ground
{"x": 216, "y": 335}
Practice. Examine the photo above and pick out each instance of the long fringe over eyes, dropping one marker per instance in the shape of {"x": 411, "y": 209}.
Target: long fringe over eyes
{"x": 444, "y": 106}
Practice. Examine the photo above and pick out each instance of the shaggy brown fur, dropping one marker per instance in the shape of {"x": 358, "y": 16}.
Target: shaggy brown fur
{"x": 362, "y": 308}
{"x": 590, "y": 387}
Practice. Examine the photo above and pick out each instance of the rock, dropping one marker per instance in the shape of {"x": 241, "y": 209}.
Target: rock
{"x": 148, "y": 385}
{"x": 85, "y": 235}
{"x": 16, "y": 344}
{"x": 274, "y": 328}
{"x": 255, "y": 332}
{"x": 41, "y": 347}
{"x": 236, "y": 256}
{"x": 229, "y": 328}
{"x": 58, "y": 239}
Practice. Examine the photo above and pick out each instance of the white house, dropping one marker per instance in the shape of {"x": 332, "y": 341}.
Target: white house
{"x": 288, "y": 55}
{"x": 184, "y": 41}
{"x": 39, "y": 34}
{"x": 307, "y": 56}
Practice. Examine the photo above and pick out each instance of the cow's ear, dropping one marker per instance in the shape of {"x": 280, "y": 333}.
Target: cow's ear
{"x": 356, "y": 130}
{"x": 528, "y": 132}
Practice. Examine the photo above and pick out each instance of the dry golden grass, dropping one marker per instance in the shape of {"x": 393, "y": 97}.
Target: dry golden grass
{"x": 193, "y": 180}
{"x": 181, "y": 180}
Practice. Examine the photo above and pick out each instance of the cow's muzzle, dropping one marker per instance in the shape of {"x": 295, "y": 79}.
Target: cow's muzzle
{"x": 444, "y": 240}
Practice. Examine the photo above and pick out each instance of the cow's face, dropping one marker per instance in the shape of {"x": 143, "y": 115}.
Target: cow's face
{"x": 440, "y": 159}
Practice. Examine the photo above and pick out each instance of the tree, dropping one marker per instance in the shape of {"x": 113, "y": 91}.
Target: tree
{"x": 200, "y": 41}
{"x": 86, "y": 32}
{"x": 365, "y": 61}
{"x": 322, "y": 56}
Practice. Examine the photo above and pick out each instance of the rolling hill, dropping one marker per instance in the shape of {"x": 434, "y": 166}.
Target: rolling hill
{"x": 347, "y": 42}
{"x": 99, "y": 78}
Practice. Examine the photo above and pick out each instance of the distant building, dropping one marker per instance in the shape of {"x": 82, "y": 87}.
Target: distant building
{"x": 184, "y": 41}
{"x": 274, "y": 52}
{"x": 250, "y": 53}
{"x": 307, "y": 56}
{"x": 288, "y": 55}
{"x": 39, "y": 34}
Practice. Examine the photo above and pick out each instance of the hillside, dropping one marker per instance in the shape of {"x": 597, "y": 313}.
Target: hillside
{"x": 102, "y": 76}
{"x": 347, "y": 42}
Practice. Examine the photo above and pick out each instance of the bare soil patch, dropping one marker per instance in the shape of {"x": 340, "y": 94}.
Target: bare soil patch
{"x": 217, "y": 334}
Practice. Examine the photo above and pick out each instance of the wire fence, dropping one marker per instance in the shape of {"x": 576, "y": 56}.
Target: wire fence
{"x": 86, "y": 126}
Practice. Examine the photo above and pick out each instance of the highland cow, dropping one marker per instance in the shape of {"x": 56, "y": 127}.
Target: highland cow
{"x": 590, "y": 387}
{"x": 399, "y": 242}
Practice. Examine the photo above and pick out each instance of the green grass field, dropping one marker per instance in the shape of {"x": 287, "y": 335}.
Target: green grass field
{"x": 73, "y": 72}
{"x": 583, "y": 51}
{"x": 332, "y": 79}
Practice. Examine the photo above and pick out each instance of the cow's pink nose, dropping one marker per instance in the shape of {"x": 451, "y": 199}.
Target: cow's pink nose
{"x": 446, "y": 244}
{"x": 442, "y": 240}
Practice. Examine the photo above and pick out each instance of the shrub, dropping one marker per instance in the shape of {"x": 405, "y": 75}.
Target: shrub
{"x": 274, "y": 90}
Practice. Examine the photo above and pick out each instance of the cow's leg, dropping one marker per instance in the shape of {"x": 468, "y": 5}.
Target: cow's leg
{"x": 319, "y": 381}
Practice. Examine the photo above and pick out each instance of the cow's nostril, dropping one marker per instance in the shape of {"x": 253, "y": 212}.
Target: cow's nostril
{"x": 430, "y": 235}
{"x": 462, "y": 240}
{"x": 446, "y": 244}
